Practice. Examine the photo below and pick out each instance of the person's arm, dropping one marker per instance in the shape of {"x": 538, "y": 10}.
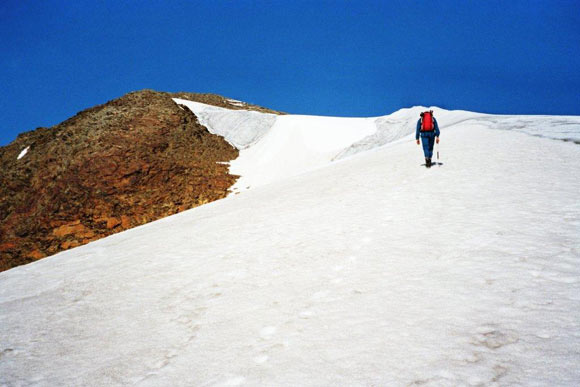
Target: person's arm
{"x": 437, "y": 133}
{"x": 417, "y": 131}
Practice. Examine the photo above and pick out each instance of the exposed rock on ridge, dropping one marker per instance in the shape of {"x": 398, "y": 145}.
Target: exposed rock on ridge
{"x": 109, "y": 168}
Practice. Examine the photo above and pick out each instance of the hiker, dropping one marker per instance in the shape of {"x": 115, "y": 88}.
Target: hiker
{"x": 428, "y": 129}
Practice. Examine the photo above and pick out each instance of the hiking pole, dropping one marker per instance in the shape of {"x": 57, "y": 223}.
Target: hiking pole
{"x": 438, "y": 163}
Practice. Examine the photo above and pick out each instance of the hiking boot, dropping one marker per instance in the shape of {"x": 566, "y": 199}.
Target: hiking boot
{"x": 428, "y": 163}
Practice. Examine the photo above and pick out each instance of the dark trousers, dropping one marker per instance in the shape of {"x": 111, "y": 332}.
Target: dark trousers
{"x": 428, "y": 141}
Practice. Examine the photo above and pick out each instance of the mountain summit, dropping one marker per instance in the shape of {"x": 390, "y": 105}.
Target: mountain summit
{"x": 114, "y": 166}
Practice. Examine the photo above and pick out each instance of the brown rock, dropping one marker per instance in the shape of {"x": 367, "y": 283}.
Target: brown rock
{"x": 69, "y": 244}
{"x": 113, "y": 222}
{"x": 111, "y": 167}
{"x": 70, "y": 228}
{"x": 87, "y": 234}
{"x": 36, "y": 254}
{"x": 7, "y": 246}
{"x": 125, "y": 222}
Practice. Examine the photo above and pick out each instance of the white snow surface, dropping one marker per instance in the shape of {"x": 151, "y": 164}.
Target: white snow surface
{"x": 275, "y": 147}
{"x": 241, "y": 128}
{"x": 369, "y": 270}
{"x": 296, "y": 144}
{"x": 23, "y": 153}
{"x": 235, "y": 102}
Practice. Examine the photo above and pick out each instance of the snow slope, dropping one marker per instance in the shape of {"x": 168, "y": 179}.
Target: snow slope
{"x": 241, "y": 128}
{"x": 273, "y": 147}
{"x": 370, "y": 270}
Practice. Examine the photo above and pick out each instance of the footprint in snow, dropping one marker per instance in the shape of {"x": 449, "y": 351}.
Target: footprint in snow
{"x": 493, "y": 338}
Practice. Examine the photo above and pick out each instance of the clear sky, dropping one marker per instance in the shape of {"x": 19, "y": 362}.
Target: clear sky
{"x": 344, "y": 58}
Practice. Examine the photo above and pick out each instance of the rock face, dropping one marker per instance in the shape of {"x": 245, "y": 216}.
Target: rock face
{"x": 109, "y": 168}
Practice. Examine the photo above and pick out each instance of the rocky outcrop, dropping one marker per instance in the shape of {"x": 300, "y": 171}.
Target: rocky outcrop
{"x": 109, "y": 168}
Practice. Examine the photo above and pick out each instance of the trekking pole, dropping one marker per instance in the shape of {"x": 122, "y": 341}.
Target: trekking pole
{"x": 438, "y": 163}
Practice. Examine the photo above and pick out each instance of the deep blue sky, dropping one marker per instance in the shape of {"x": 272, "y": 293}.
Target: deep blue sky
{"x": 346, "y": 58}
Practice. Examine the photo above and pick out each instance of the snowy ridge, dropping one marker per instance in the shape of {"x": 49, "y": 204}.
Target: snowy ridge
{"x": 241, "y": 128}
{"x": 367, "y": 271}
{"x": 388, "y": 129}
{"x": 275, "y": 147}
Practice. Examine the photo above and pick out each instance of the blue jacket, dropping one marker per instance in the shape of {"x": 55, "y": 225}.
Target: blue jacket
{"x": 419, "y": 128}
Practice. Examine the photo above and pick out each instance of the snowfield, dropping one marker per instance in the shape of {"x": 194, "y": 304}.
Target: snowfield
{"x": 366, "y": 270}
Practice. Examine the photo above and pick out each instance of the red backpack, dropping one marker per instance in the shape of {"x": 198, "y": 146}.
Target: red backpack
{"x": 427, "y": 121}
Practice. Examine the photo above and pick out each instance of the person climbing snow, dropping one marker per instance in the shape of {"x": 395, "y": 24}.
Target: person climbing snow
{"x": 428, "y": 130}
